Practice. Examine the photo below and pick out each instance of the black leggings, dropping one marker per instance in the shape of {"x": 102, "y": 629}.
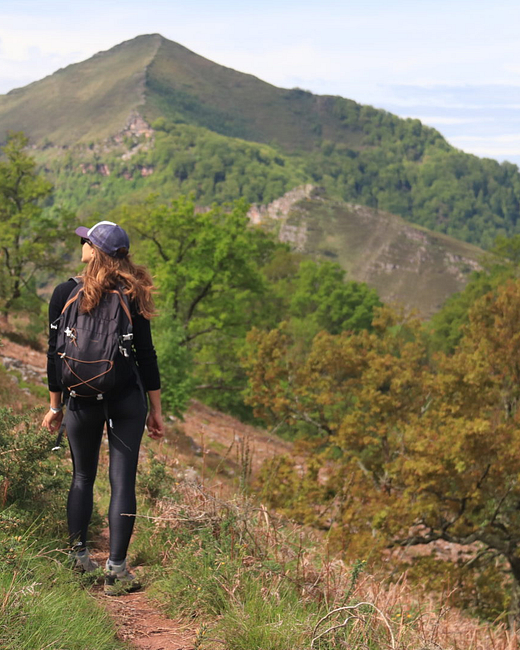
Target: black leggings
{"x": 85, "y": 431}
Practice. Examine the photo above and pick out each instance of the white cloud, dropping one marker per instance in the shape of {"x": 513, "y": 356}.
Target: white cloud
{"x": 450, "y": 120}
{"x": 503, "y": 147}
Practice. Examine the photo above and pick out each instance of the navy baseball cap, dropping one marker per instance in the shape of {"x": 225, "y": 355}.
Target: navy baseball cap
{"x": 107, "y": 236}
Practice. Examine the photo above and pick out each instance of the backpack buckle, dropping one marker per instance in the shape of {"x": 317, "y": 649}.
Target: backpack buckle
{"x": 127, "y": 337}
{"x": 99, "y": 396}
{"x": 71, "y": 333}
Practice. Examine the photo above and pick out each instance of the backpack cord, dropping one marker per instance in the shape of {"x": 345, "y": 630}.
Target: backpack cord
{"x": 108, "y": 419}
{"x": 110, "y": 424}
{"x": 57, "y": 444}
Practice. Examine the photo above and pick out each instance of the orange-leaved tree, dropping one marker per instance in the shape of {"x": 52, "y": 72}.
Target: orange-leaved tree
{"x": 348, "y": 396}
{"x": 423, "y": 450}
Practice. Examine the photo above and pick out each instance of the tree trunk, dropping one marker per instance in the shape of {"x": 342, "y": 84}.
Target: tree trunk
{"x": 514, "y": 607}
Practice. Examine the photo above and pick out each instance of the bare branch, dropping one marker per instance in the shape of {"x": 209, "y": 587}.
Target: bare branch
{"x": 203, "y": 293}
{"x": 350, "y": 608}
{"x": 152, "y": 238}
{"x": 194, "y": 336}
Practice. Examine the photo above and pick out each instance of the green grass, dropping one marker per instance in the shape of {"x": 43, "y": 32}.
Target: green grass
{"x": 268, "y": 614}
{"x": 246, "y": 582}
{"x": 86, "y": 101}
{"x": 246, "y": 602}
{"x": 406, "y": 263}
{"x": 42, "y": 604}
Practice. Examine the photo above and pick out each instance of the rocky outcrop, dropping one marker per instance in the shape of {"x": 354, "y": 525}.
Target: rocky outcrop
{"x": 405, "y": 263}
{"x": 136, "y": 126}
{"x": 280, "y": 208}
{"x": 26, "y": 371}
{"x": 89, "y": 168}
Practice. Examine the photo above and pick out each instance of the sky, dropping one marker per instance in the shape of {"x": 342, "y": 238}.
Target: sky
{"x": 453, "y": 64}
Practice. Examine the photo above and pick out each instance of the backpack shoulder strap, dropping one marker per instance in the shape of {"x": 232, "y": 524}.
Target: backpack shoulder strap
{"x": 73, "y": 296}
{"x": 124, "y": 302}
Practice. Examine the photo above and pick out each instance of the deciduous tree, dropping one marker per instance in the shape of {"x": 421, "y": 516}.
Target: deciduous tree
{"x": 423, "y": 451}
{"x": 31, "y": 238}
{"x": 207, "y": 267}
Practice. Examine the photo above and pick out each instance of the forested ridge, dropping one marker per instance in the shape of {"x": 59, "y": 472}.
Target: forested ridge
{"x": 403, "y": 168}
{"x": 223, "y": 135}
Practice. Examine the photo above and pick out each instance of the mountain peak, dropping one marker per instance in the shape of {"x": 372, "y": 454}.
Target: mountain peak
{"x": 154, "y": 77}
{"x": 92, "y": 100}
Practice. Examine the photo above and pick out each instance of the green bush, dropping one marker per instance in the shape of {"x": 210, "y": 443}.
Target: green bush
{"x": 30, "y": 473}
{"x": 153, "y": 479}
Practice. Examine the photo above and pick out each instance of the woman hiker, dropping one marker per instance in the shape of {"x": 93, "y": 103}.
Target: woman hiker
{"x": 123, "y": 407}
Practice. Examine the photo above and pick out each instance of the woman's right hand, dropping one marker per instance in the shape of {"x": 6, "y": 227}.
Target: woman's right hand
{"x": 155, "y": 425}
{"x": 154, "y": 421}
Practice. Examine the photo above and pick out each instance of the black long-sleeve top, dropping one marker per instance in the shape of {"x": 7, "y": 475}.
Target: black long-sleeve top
{"x": 142, "y": 342}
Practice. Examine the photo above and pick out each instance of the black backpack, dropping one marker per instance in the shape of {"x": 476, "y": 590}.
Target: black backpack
{"x": 89, "y": 345}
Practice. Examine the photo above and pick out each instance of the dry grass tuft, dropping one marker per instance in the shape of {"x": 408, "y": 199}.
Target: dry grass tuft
{"x": 395, "y": 616}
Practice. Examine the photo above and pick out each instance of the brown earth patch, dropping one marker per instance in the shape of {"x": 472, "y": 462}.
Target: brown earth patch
{"x": 206, "y": 431}
{"x": 139, "y": 619}
{"x": 25, "y": 355}
{"x": 140, "y": 623}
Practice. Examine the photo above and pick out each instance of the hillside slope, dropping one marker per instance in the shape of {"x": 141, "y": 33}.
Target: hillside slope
{"x": 184, "y": 86}
{"x": 203, "y": 541}
{"x": 407, "y": 264}
{"x": 95, "y": 99}
{"x": 149, "y": 115}
{"x": 86, "y": 101}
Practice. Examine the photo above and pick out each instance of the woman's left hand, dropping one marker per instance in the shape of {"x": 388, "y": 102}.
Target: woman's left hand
{"x": 155, "y": 425}
{"x": 52, "y": 421}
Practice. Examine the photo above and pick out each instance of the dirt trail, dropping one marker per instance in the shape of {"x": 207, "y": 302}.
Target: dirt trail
{"x": 141, "y": 624}
{"x": 206, "y": 440}
{"x": 139, "y": 620}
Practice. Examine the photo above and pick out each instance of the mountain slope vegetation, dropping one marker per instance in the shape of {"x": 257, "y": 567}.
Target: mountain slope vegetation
{"x": 405, "y": 263}
{"x": 93, "y": 99}
{"x": 184, "y": 86}
{"x": 149, "y": 115}
{"x": 82, "y": 102}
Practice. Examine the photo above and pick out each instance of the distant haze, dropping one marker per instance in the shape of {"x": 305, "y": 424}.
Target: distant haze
{"x": 454, "y": 65}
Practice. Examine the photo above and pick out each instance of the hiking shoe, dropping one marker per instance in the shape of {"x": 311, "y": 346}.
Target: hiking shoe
{"x": 119, "y": 580}
{"x": 81, "y": 561}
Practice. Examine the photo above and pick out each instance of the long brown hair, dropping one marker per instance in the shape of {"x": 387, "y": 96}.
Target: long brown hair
{"x": 104, "y": 272}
